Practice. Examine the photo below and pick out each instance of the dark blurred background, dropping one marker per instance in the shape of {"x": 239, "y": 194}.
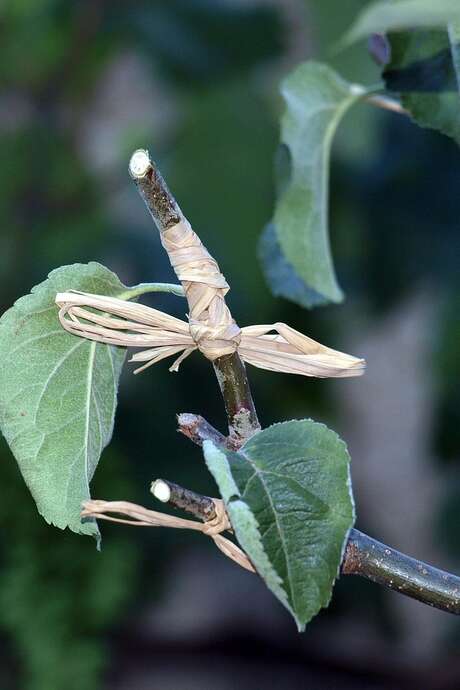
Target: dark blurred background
{"x": 196, "y": 82}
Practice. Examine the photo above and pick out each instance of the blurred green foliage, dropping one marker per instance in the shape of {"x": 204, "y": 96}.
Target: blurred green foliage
{"x": 422, "y": 69}
{"x": 57, "y": 594}
{"x": 395, "y": 225}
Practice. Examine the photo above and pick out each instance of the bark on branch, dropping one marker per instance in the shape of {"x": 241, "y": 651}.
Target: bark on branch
{"x": 229, "y": 368}
{"x": 198, "y": 429}
{"x": 363, "y": 555}
{"x": 377, "y": 562}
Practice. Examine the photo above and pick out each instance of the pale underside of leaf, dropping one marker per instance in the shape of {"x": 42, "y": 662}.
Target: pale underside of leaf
{"x": 242, "y": 519}
{"x": 316, "y": 100}
{"x": 280, "y": 274}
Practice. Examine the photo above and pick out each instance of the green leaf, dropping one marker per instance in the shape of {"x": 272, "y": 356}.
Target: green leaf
{"x": 422, "y": 71}
{"x": 288, "y": 496}
{"x": 280, "y": 274}
{"x": 316, "y": 100}
{"x": 383, "y": 16}
{"x": 58, "y": 395}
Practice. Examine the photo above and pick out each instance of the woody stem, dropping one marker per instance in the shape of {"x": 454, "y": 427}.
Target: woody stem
{"x": 363, "y": 555}
{"x": 202, "y": 507}
{"x": 239, "y": 405}
{"x": 369, "y": 558}
{"x": 229, "y": 369}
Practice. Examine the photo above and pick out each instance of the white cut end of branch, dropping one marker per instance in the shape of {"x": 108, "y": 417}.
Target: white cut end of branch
{"x": 140, "y": 163}
{"x": 161, "y": 490}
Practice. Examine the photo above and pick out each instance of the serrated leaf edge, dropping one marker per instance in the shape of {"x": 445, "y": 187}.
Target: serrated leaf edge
{"x": 234, "y": 493}
{"x": 217, "y": 461}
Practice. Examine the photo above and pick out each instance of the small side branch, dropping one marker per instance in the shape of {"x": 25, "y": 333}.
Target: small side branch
{"x": 197, "y": 505}
{"x": 239, "y": 405}
{"x": 369, "y": 558}
{"x": 138, "y": 516}
{"x": 198, "y": 429}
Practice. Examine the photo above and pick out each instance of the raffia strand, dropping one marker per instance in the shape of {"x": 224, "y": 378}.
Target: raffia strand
{"x": 131, "y": 514}
{"x": 210, "y": 327}
{"x": 276, "y": 347}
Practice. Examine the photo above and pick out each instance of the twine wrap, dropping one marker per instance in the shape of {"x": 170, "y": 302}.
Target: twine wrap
{"x": 275, "y": 347}
{"x": 139, "y": 516}
{"x": 212, "y": 328}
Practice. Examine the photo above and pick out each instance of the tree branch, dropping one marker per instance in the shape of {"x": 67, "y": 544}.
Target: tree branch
{"x": 363, "y": 555}
{"x": 198, "y": 429}
{"x": 200, "y": 506}
{"x": 230, "y": 370}
{"x": 369, "y": 558}
{"x": 239, "y": 405}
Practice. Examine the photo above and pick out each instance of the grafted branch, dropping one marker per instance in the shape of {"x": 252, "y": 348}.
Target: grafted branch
{"x": 230, "y": 370}
{"x": 363, "y": 555}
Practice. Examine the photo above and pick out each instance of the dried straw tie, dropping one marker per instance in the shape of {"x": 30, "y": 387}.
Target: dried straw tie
{"x": 210, "y": 328}
{"x": 142, "y": 517}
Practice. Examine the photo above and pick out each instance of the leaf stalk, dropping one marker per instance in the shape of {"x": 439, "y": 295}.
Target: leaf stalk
{"x": 144, "y": 288}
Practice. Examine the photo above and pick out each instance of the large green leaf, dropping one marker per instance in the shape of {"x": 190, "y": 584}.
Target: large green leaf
{"x": 296, "y": 255}
{"x": 58, "y": 395}
{"x": 288, "y": 495}
{"x": 280, "y": 274}
{"x": 383, "y": 16}
{"x": 422, "y": 70}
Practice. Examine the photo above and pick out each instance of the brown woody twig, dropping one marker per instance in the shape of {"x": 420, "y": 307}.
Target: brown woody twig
{"x": 202, "y": 507}
{"x": 363, "y": 555}
{"x": 198, "y": 429}
{"x": 230, "y": 370}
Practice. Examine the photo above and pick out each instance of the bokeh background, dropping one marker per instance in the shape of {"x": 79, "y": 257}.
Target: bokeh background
{"x": 196, "y": 82}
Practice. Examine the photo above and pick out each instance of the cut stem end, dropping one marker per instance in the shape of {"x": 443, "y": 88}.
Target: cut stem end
{"x": 140, "y": 164}
{"x": 161, "y": 490}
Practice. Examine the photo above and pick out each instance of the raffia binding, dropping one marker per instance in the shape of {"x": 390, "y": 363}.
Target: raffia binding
{"x": 139, "y": 516}
{"x": 275, "y": 347}
{"x": 210, "y": 327}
